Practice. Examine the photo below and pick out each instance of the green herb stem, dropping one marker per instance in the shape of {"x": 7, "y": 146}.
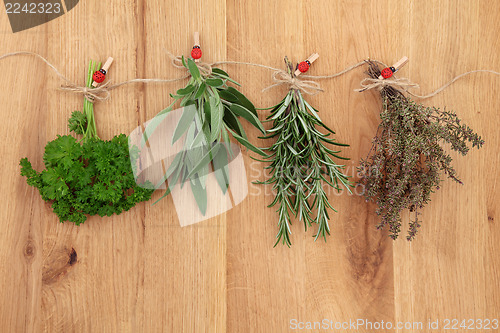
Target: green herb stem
{"x": 218, "y": 108}
{"x": 88, "y": 107}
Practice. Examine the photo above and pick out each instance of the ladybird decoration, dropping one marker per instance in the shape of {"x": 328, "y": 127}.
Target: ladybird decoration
{"x": 387, "y": 72}
{"x": 304, "y": 66}
{"x": 196, "y": 52}
{"x": 99, "y": 76}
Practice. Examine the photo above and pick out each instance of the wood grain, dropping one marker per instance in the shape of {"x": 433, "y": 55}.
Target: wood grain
{"x": 141, "y": 272}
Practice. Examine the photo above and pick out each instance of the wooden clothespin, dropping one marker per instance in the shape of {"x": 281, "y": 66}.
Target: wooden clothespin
{"x": 389, "y": 71}
{"x": 100, "y": 75}
{"x": 196, "y": 51}
{"x": 304, "y": 65}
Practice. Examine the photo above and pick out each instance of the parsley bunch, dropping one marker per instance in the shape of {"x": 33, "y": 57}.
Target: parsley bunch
{"x": 86, "y": 177}
{"x": 407, "y": 158}
{"x": 212, "y": 112}
{"x": 301, "y": 162}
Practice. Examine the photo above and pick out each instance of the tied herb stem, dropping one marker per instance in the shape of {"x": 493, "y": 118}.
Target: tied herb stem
{"x": 86, "y": 177}
{"x": 88, "y": 107}
{"x": 407, "y": 159}
{"x": 300, "y": 163}
{"x": 211, "y": 114}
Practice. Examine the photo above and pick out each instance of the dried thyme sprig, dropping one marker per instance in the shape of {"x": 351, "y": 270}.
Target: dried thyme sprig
{"x": 406, "y": 161}
{"x": 300, "y": 164}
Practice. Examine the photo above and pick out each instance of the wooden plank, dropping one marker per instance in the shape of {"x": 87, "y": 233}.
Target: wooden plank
{"x": 103, "y": 290}
{"x": 451, "y": 269}
{"x": 185, "y": 275}
{"x": 263, "y": 285}
{"x": 349, "y": 276}
{"x": 22, "y": 212}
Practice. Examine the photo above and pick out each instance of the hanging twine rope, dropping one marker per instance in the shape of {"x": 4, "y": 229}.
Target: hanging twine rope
{"x": 306, "y": 84}
{"x": 310, "y": 87}
{"x": 101, "y": 93}
{"x": 280, "y": 77}
{"x": 405, "y": 84}
{"x": 446, "y": 85}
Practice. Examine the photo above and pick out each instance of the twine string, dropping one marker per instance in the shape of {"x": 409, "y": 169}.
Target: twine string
{"x": 342, "y": 72}
{"x": 405, "y": 84}
{"x": 281, "y": 77}
{"x": 449, "y": 83}
{"x": 371, "y": 83}
{"x": 100, "y": 93}
{"x": 307, "y": 83}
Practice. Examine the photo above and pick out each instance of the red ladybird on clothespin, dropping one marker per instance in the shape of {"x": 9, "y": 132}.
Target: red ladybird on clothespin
{"x": 100, "y": 75}
{"x": 304, "y": 65}
{"x": 196, "y": 51}
{"x": 389, "y": 71}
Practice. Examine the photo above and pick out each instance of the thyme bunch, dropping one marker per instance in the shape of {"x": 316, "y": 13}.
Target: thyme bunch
{"x": 407, "y": 160}
{"x": 300, "y": 163}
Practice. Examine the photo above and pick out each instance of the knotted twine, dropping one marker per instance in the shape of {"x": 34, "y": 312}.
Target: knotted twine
{"x": 309, "y": 87}
{"x": 371, "y": 83}
{"x": 283, "y": 78}
{"x": 405, "y": 84}
{"x": 100, "y": 93}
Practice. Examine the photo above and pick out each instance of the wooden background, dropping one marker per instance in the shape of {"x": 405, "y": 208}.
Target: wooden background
{"x": 142, "y": 272}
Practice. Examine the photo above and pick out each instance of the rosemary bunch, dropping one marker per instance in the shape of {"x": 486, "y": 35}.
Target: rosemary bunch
{"x": 300, "y": 164}
{"x": 407, "y": 159}
{"x": 212, "y": 112}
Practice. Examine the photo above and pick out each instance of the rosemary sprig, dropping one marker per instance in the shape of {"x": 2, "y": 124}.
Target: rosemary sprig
{"x": 406, "y": 161}
{"x": 212, "y": 111}
{"x": 300, "y": 164}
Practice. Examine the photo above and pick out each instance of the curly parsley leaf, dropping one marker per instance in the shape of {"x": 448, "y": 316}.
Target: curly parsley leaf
{"x": 93, "y": 178}
{"x": 78, "y": 122}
